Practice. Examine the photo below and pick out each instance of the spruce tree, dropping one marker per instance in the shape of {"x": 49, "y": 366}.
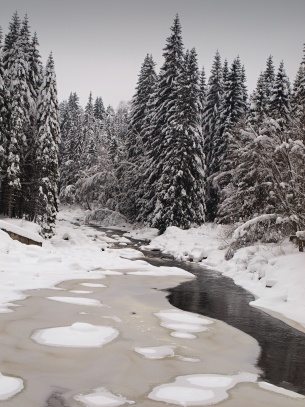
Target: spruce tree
{"x": 232, "y": 110}
{"x": 175, "y": 171}
{"x": 89, "y": 152}
{"x": 3, "y": 124}
{"x": 269, "y": 75}
{"x": 298, "y": 96}
{"x": 46, "y": 151}
{"x": 210, "y": 120}
{"x": 135, "y": 142}
{"x": 203, "y": 92}
{"x": 160, "y": 132}
{"x": 72, "y": 142}
{"x": 279, "y": 106}
{"x": 19, "y": 121}
{"x": 99, "y": 109}
{"x": 139, "y": 106}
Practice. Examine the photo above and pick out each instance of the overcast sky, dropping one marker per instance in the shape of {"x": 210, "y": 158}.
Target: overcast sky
{"x": 99, "y": 45}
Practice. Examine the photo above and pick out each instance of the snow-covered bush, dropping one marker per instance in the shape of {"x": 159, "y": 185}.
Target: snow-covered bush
{"x": 105, "y": 217}
{"x": 267, "y": 228}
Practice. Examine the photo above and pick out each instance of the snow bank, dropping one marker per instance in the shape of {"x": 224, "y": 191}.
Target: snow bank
{"x": 22, "y": 227}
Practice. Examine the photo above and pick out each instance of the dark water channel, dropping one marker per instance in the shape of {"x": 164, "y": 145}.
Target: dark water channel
{"x": 282, "y": 357}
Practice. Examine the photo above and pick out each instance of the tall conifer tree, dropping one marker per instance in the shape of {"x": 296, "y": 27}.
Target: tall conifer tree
{"x": 46, "y": 150}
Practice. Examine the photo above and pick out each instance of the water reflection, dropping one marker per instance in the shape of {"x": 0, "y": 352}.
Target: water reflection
{"x": 282, "y": 357}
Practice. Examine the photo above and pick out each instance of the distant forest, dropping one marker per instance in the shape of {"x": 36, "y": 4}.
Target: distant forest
{"x": 184, "y": 150}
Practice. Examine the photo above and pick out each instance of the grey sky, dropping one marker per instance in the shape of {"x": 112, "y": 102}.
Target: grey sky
{"x": 99, "y": 45}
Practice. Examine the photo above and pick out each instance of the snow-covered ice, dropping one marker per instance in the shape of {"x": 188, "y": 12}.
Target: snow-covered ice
{"x": 195, "y": 390}
{"x": 280, "y": 390}
{"x": 156, "y": 352}
{"x": 93, "y": 285}
{"x": 183, "y": 323}
{"x": 9, "y": 386}
{"x": 101, "y": 397}
{"x": 77, "y": 300}
{"x": 163, "y": 272}
{"x": 80, "y": 292}
{"x": 77, "y": 335}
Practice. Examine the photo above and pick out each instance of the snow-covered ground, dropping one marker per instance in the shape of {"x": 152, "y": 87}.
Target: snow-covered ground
{"x": 273, "y": 273}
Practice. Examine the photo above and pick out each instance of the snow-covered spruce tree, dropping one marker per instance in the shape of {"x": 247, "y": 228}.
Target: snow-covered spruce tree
{"x": 34, "y": 81}
{"x": 99, "y": 109}
{"x": 232, "y": 110}
{"x": 259, "y": 101}
{"x": 71, "y": 144}
{"x": 159, "y": 133}
{"x": 16, "y": 73}
{"x": 135, "y": 141}
{"x": 210, "y": 120}
{"x": 203, "y": 93}
{"x": 260, "y": 98}
{"x": 139, "y": 106}
{"x": 181, "y": 186}
{"x": 174, "y": 166}
{"x": 46, "y": 151}
{"x": 3, "y": 124}
{"x": 89, "y": 151}
{"x": 269, "y": 77}
{"x": 298, "y": 96}
{"x": 279, "y": 105}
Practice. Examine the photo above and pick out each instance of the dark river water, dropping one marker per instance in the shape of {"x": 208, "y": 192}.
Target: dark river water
{"x": 282, "y": 357}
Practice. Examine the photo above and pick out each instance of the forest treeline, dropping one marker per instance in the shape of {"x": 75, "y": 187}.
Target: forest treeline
{"x": 183, "y": 151}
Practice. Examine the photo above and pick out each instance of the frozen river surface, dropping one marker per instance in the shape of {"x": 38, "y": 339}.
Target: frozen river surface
{"x": 117, "y": 341}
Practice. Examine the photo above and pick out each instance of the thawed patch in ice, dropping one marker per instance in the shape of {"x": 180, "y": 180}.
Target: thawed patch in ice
{"x": 156, "y": 352}
{"x": 76, "y": 300}
{"x": 183, "y": 323}
{"x": 200, "y": 389}
{"x": 280, "y": 390}
{"x": 78, "y": 335}
{"x": 9, "y": 386}
{"x": 101, "y": 397}
{"x": 93, "y": 285}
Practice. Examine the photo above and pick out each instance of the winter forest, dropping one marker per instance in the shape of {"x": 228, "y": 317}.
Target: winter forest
{"x": 187, "y": 149}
